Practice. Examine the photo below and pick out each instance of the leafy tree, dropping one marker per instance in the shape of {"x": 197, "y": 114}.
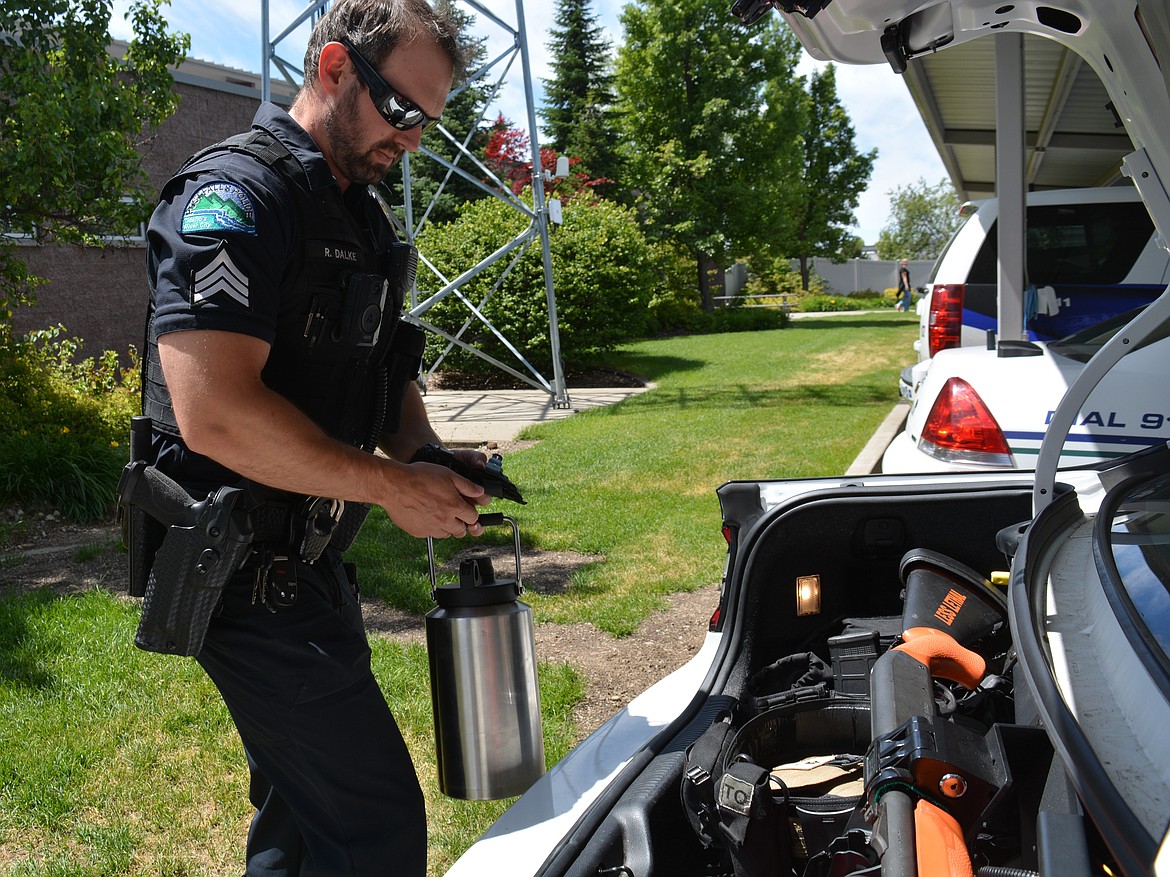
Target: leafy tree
{"x": 922, "y": 220}
{"x": 509, "y": 154}
{"x": 74, "y": 119}
{"x": 831, "y": 179}
{"x": 578, "y": 109}
{"x": 605, "y": 269}
{"x": 709, "y": 154}
{"x": 462, "y": 116}
{"x": 853, "y": 247}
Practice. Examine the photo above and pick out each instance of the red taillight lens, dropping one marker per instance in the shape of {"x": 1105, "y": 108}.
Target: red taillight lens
{"x": 960, "y": 428}
{"x": 945, "y": 320}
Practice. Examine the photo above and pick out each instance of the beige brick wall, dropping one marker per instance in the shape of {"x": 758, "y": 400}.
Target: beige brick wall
{"x": 100, "y": 295}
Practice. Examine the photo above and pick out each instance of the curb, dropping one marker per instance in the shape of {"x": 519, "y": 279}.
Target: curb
{"x": 870, "y": 459}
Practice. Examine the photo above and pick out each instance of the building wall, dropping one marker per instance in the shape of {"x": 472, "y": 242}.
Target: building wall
{"x": 100, "y": 295}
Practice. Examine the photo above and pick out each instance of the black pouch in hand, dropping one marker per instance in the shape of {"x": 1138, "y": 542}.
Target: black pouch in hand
{"x": 188, "y": 576}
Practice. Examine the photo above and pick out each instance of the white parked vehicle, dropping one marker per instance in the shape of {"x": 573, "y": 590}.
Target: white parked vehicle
{"x": 979, "y": 409}
{"x": 1091, "y": 254}
{"x": 948, "y": 674}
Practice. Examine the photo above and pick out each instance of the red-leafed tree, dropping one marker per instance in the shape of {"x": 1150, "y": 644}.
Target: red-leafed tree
{"x": 509, "y": 155}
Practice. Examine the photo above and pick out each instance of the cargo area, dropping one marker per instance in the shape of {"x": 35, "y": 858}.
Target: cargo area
{"x": 851, "y": 544}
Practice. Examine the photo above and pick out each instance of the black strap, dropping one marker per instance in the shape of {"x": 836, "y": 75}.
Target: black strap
{"x": 259, "y": 144}
{"x": 700, "y": 774}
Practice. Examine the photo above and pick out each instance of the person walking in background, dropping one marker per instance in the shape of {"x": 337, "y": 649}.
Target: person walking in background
{"x": 905, "y": 290}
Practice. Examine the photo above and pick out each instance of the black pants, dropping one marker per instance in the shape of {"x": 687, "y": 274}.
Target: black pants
{"x": 333, "y": 785}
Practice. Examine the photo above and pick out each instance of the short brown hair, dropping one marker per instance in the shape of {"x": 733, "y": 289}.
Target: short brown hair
{"x": 376, "y": 27}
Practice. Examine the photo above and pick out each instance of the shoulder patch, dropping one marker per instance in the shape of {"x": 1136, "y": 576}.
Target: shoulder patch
{"x": 220, "y": 206}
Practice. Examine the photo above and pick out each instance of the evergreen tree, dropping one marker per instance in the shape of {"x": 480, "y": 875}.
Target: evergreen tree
{"x": 578, "y": 108}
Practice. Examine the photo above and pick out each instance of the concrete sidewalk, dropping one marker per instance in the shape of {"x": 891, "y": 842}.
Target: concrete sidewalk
{"x": 470, "y": 418}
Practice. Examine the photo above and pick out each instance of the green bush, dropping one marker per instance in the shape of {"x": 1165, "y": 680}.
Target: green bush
{"x": 857, "y": 302}
{"x": 675, "y": 307}
{"x": 66, "y": 423}
{"x": 604, "y": 268}
{"x": 740, "y": 319}
{"x": 778, "y": 277}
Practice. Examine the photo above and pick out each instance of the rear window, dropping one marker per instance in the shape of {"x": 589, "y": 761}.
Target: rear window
{"x": 1075, "y": 243}
{"x": 1139, "y": 539}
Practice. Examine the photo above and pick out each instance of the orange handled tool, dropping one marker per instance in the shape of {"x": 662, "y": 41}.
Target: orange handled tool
{"x": 942, "y": 655}
{"x": 939, "y": 841}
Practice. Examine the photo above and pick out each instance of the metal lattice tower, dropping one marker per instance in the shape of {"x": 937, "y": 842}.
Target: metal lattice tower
{"x": 537, "y": 232}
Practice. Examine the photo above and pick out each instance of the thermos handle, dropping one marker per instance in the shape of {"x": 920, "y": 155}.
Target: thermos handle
{"x": 492, "y": 519}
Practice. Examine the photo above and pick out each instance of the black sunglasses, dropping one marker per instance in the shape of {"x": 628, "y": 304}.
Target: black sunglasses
{"x": 397, "y": 109}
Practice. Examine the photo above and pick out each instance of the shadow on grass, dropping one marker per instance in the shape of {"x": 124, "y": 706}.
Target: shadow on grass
{"x": 749, "y": 396}
{"x": 844, "y": 321}
{"x": 652, "y": 367}
{"x": 21, "y": 649}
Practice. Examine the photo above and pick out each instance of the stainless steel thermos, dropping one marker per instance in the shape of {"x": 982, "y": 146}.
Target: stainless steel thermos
{"x": 482, "y": 652}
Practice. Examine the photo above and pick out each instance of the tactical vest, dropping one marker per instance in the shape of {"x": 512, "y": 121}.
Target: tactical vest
{"x": 340, "y": 298}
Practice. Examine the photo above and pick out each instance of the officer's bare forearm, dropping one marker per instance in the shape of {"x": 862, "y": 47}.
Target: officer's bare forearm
{"x": 226, "y": 412}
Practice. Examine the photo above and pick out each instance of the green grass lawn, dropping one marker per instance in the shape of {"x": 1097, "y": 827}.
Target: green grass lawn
{"x": 118, "y": 762}
{"x": 635, "y": 482}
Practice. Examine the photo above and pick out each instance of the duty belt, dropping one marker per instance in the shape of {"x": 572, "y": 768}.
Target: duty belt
{"x": 309, "y": 526}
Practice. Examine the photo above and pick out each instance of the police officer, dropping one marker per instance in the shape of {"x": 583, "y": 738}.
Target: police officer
{"x": 276, "y": 285}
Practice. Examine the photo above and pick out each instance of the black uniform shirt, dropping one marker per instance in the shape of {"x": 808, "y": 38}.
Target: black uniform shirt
{"x": 220, "y": 242}
{"x": 223, "y": 236}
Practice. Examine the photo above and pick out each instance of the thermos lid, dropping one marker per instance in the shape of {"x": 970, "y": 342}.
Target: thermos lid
{"x": 477, "y": 586}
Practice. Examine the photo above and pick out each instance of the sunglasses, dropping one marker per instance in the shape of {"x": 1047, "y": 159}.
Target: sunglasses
{"x": 397, "y": 109}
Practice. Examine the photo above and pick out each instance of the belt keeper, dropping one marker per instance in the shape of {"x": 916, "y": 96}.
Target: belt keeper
{"x": 316, "y": 523}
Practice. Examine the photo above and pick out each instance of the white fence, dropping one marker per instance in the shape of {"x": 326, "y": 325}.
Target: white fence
{"x": 861, "y": 274}
{"x": 842, "y": 280}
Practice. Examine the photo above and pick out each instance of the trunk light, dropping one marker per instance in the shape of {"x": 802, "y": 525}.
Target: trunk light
{"x": 808, "y": 595}
{"x": 960, "y": 429}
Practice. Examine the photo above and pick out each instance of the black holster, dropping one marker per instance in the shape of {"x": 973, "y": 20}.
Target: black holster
{"x": 203, "y": 545}
{"x": 188, "y": 576}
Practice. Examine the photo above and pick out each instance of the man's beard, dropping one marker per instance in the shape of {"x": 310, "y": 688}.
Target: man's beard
{"x": 353, "y": 161}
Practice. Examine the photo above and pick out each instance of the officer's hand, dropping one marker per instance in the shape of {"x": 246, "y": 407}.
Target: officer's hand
{"x": 431, "y": 500}
{"x": 478, "y": 459}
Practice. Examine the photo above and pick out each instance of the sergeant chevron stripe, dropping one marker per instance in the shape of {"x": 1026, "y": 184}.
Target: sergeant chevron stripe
{"x": 221, "y": 275}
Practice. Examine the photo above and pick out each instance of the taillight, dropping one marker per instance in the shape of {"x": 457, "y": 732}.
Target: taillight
{"x": 960, "y": 428}
{"x": 945, "y": 321}
{"x": 715, "y": 624}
